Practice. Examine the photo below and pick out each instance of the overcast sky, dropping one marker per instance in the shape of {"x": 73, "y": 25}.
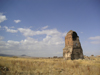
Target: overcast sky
{"x": 38, "y": 27}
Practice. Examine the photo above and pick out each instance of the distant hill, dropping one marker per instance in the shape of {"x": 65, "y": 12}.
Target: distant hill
{"x": 6, "y": 55}
{"x": 23, "y": 55}
{"x": 14, "y": 55}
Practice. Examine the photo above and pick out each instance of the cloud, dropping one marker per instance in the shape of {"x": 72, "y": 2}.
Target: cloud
{"x": 29, "y": 32}
{"x": 50, "y": 45}
{"x": 95, "y": 42}
{"x": 33, "y": 47}
{"x": 58, "y": 53}
{"x": 44, "y": 27}
{"x": 2, "y": 17}
{"x": 12, "y": 27}
{"x": 10, "y": 30}
{"x": 17, "y": 21}
{"x": 1, "y": 37}
{"x": 64, "y": 34}
{"x": 12, "y": 43}
{"x": 95, "y": 38}
{"x": 0, "y": 26}
{"x": 26, "y": 32}
{"x": 53, "y": 36}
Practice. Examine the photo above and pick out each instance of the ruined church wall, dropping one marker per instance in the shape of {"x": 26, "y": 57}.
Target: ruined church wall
{"x": 72, "y": 49}
{"x": 68, "y": 40}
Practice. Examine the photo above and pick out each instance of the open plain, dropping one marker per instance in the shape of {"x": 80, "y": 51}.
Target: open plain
{"x": 49, "y": 66}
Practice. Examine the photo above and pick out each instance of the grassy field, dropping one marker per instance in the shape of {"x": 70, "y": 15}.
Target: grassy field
{"x": 54, "y": 66}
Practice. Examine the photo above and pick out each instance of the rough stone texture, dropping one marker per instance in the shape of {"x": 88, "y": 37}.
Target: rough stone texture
{"x": 72, "y": 49}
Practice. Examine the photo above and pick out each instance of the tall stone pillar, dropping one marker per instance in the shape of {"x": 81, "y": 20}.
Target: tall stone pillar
{"x": 72, "y": 49}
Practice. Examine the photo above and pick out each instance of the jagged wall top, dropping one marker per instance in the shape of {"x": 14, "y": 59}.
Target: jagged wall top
{"x": 71, "y": 32}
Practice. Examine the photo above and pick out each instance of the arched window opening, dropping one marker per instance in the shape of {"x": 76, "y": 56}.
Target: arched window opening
{"x": 74, "y": 36}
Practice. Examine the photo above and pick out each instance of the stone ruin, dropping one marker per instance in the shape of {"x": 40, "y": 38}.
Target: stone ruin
{"x": 72, "y": 49}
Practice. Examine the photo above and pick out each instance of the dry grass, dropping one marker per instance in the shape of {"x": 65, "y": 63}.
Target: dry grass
{"x": 55, "y": 66}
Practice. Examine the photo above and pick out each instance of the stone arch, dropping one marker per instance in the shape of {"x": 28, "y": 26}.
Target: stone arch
{"x": 74, "y": 36}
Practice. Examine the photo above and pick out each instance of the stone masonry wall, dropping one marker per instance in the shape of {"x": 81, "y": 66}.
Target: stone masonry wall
{"x": 72, "y": 49}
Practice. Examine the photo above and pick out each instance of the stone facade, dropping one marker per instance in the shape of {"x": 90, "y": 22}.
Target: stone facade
{"x": 72, "y": 49}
